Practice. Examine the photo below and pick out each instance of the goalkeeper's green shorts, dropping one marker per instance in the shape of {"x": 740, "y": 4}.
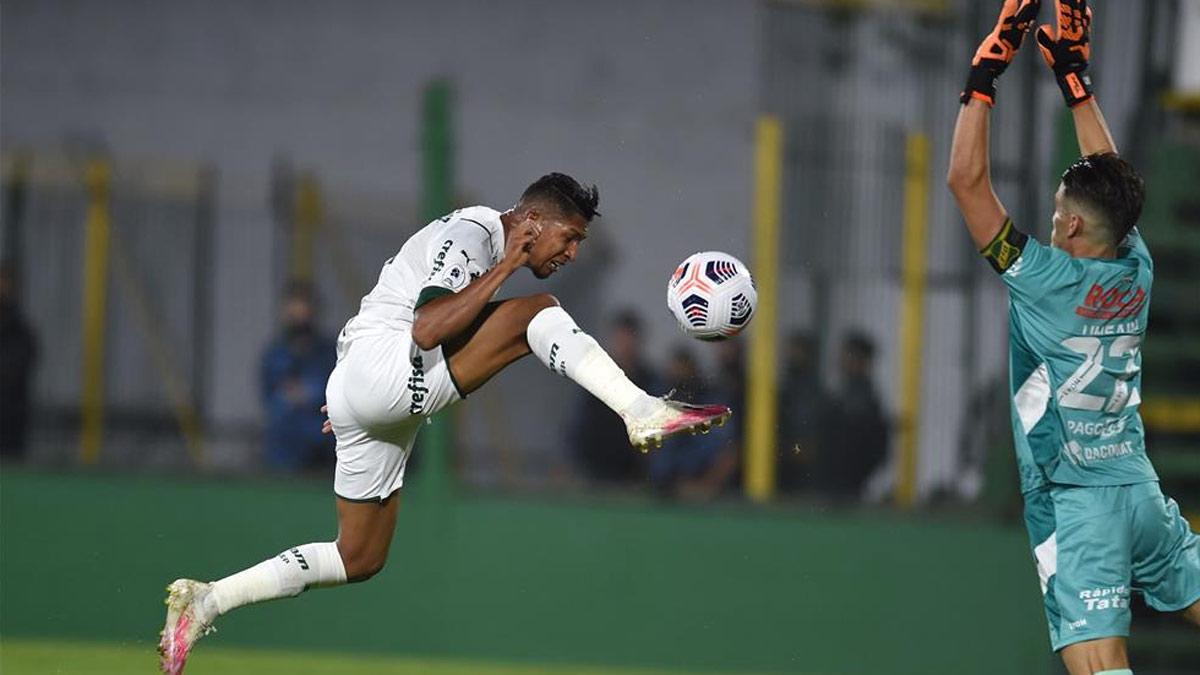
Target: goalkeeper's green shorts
{"x": 1094, "y": 546}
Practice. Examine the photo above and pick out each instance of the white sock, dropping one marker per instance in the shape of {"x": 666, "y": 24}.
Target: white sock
{"x": 565, "y": 349}
{"x": 285, "y": 575}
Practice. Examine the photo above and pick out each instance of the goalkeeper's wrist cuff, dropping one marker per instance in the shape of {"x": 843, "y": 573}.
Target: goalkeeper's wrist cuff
{"x": 1076, "y": 87}
{"x": 967, "y": 96}
{"x": 981, "y": 84}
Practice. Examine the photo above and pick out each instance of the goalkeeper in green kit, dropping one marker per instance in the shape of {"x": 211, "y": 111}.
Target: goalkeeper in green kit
{"x": 1099, "y": 526}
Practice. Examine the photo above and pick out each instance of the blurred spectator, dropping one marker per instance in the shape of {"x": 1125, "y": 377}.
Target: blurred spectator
{"x": 598, "y": 437}
{"x": 18, "y": 356}
{"x": 803, "y": 410}
{"x": 295, "y": 368}
{"x": 693, "y": 467}
{"x": 986, "y": 460}
{"x": 729, "y": 385}
{"x": 858, "y": 428}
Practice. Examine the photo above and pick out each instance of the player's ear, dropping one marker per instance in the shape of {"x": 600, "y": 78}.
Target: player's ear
{"x": 1074, "y": 226}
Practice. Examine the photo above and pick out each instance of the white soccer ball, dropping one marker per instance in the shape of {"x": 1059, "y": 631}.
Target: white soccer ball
{"x": 711, "y": 295}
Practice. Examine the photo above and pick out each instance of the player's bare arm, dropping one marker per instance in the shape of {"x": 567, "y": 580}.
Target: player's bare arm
{"x": 1066, "y": 47}
{"x": 445, "y": 317}
{"x": 1091, "y": 130}
{"x": 969, "y": 176}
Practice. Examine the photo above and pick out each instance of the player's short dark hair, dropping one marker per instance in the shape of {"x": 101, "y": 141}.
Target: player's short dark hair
{"x": 1111, "y": 186}
{"x": 565, "y": 193}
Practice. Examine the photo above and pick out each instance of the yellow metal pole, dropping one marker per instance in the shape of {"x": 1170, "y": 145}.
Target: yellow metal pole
{"x": 761, "y": 388}
{"x": 308, "y": 218}
{"x": 912, "y": 312}
{"x": 97, "y": 234}
{"x": 1171, "y": 415}
{"x": 348, "y": 273}
{"x": 177, "y": 390}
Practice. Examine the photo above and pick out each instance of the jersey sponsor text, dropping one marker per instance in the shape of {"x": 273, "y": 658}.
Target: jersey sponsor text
{"x": 1116, "y": 302}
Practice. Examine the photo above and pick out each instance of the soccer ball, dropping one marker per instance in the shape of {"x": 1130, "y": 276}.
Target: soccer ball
{"x": 711, "y": 295}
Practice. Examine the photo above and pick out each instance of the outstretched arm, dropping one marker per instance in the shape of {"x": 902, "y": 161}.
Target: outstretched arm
{"x": 1067, "y": 48}
{"x": 1091, "y": 129}
{"x": 969, "y": 177}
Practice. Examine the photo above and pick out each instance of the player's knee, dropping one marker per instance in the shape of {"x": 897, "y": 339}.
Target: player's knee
{"x": 541, "y": 301}
{"x": 370, "y": 568}
{"x": 362, "y": 563}
{"x": 523, "y": 309}
{"x": 534, "y": 304}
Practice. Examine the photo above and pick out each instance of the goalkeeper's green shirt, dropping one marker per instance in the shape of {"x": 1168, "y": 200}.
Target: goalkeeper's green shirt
{"x": 1076, "y": 329}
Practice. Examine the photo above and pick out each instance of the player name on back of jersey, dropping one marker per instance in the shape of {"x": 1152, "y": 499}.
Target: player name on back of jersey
{"x": 1125, "y": 328}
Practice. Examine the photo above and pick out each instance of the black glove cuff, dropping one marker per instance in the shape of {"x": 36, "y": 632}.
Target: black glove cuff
{"x": 981, "y": 83}
{"x": 1075, "y": 84}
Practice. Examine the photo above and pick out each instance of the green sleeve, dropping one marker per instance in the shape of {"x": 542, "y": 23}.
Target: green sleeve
{"x": 430, "y": 293}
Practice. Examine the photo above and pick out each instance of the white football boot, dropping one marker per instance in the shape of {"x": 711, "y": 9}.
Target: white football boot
{"x": 186, "y": 623}
{"x": 672, "y": 419}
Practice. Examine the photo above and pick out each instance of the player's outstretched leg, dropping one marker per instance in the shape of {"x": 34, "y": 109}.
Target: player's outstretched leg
{"x": 510, "y": 329}
{"x": 364, "y": 536}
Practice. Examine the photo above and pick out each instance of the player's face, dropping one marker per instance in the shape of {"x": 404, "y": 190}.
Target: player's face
{"x": 557, "y": 245}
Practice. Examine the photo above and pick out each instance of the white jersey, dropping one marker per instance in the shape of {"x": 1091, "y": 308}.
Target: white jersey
{"x": 442, "y": 257}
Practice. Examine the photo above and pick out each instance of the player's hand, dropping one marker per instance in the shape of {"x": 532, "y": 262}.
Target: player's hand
{"x": 520, "y": 242}
{"x": 997, "y": 50}
{"x": 1067, "y": 49}
{"x": 327, "y": 427}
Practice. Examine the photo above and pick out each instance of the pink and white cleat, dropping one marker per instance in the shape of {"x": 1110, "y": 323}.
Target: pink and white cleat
{"x": 672, "y": 419}
{"x": 185, "y": 623}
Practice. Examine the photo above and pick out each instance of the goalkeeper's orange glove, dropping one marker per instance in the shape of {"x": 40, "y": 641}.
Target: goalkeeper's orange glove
{"x": 998, "y": 48}
{"x": 1067, "y": 49}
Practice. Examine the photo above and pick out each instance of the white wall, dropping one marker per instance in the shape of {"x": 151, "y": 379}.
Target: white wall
{"x": 1187, "y": 76}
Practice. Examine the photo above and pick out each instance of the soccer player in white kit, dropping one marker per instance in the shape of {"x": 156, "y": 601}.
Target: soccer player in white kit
{"x": 426, "y": 336}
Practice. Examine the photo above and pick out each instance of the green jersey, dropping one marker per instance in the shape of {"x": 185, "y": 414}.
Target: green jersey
{"x": 1076, "y": 328}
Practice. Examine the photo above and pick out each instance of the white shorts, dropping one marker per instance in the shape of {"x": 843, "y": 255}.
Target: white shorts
{"x": 379, "y": 395}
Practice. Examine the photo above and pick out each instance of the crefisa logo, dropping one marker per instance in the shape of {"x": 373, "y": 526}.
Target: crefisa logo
{"x": 416, "y": 386}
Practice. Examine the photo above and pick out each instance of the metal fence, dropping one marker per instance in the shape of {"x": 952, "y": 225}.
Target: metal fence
{"x": 115, "y": 268}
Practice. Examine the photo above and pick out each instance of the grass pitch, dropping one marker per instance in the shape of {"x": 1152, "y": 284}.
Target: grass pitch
{"x": 50, "y": 657}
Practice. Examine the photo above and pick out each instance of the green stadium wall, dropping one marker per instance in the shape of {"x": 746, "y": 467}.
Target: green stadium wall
{"x": 538, "y": 580}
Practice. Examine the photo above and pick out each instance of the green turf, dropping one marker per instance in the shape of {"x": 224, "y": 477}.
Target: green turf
{"x": 43, "y": 657}
{"x": 494, "y": 579}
